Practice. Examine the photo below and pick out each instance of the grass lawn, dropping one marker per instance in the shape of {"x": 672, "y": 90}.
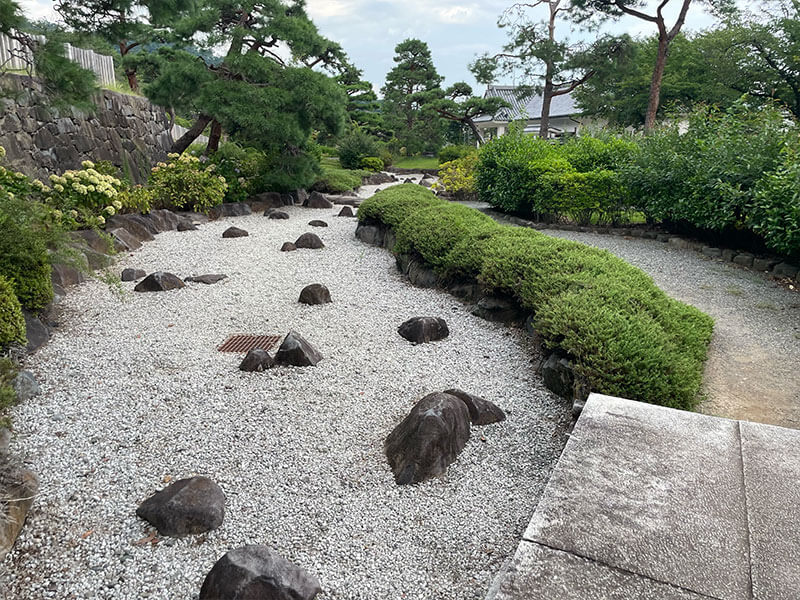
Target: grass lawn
{"x": 418, "y": 162}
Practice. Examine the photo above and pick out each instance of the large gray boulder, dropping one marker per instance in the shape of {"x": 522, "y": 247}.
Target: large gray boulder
{"x": 230, "y": 209}
{"x": 160, "y": 281}
{"x": 130, "y": 274}
{"x": 424, "y": 329}
{"x": 316, "y": 293}
{"x": 317, "y": 200}
{"x": 134, "y": 227}
{"x": 429, "y": 439}
{"x": 296, "y": 351}
{"x": 481, "y": 411}
{"x": 257, "y": 573}
{"x": 163, "y": 219}
{"x": 188, "y": 506}
{"x": 309, "y": 240}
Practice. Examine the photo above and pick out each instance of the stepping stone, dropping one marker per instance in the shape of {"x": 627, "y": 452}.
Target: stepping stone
{"x": 132, "y": 274}
{"x": 346, "y": 212}
{"x": 428, "y": 439}
{"x": 160, "y": 281}
{"x": 288, "y": 247}
{"x": 276, "y": 214}
{"x": 257, "y": 360}
{"x": 309, "y": 240}
{"x": 481, "y": 411}
{"x": 188, "y": 506}
{"x": 424, "y": 329}
{"x": 316, "y": 293}
{"x": 296, "y": 351}
{"x": 208, "y": 279}
{"x": 234, "y": 232}
{"x": 317, "y": 223}
{"x": 257, "y": 572}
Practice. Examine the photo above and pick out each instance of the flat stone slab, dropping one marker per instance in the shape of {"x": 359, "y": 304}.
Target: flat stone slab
{"x": 541, "y": 572}
{"x": 772, "y": 480}
{"x": 653, "y": 491}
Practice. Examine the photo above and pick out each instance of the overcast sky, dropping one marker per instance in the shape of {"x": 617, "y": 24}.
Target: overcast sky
{"x": 455, "y": 30}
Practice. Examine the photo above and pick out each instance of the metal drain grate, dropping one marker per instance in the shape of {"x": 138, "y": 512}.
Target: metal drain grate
{"x": 245, "y": 343}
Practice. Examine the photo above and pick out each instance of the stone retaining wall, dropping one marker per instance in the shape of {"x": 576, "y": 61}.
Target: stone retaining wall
{"x": 41, "y": 140}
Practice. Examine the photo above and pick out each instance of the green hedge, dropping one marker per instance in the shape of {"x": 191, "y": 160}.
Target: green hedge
{"x": 623, "y": 333}
{"x": 12, "y": 323}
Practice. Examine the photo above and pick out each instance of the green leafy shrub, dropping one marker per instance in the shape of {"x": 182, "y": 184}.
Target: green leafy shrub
{"x": 8, "y": 397}
{"x": 371, "y": 163}
{"x": 622, "y": 332}
{"x": 775, "y": 210}
{"x": 184, "y": 183}
{"x": 336, "y": 180}
{"x": 385, "y": 154}
{"x": 598, "y": 195}
{"x": 12, "y": 323}
{"x": 355, "y": 146}
{"x": 84, "y": 197}
{"x": 451, "y": 153}
{"x": 243, "y": 170}
{"x": 457, "y": 177}
{"x": 328, "y": 150}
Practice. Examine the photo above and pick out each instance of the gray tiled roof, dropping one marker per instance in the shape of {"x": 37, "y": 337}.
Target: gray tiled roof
{"x": 526, "y": 108}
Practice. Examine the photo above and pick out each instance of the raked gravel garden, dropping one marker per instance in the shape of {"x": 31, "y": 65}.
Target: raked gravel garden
{"x": 135, "y": 395}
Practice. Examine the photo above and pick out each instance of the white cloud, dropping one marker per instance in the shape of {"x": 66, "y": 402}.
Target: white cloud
{"x": 456, "y": 14}
{"x": 332, "y": 9}
{"x": 38, "y": 9}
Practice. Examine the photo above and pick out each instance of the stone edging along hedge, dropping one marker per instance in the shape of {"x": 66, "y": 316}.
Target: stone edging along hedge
{"x": 609, "y": 328}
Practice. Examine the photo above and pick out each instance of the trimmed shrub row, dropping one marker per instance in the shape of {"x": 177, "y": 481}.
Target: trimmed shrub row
{"x": 620, "y": 330}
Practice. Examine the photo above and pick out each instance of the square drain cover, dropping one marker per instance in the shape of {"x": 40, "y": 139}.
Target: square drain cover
{"x": 245, "y": 343}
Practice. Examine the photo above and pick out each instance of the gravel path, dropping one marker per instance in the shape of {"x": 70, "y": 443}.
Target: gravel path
{"x": 753, "y": 369}
{"x": 135, "y": 394}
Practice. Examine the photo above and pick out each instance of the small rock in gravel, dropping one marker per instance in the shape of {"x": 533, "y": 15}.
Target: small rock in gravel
{"x": 309, "y": 240}
{"x": 424, "y": 329}
{"x": 317, "y": 200}
{"x": 252, "y": 572}
{"x": 346, "y": 212}
{"x": 317, "y": 223}
{"x": 37, "y": 333}
{"x": 188, "y": 506}
{"x": 558, "y": 375}
{"x": 25, "y": 386}
{"x": 276, "y": 214}
{"x": 186, "y": 225}
{"x": 257, "y": 360}
{"x": 481, "y": 411}
{"x": 234, "y": 232}
{"x": 132, "y": 274}
{"x": 428, "y": 439}
{"x": 160, "y": 281}
{"x": 316, "y": 293}
{"x": 208, "y": 278}
{"x": 296, "y": 351}
{"x": 288, "y": 247}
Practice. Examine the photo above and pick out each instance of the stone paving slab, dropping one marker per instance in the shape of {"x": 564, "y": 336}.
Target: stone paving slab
{"x": 772, "y": 483}
{"x": 653, "y": 491}
{"x": 538, "y": 572}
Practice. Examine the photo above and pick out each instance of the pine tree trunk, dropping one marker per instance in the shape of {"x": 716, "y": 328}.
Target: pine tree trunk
{"x": 213, "y": 139}
{"x": 475, "y": 131}
{"x": 133, "y": 82}
{"x": 547, "y": 98}
{"x": 183, "y": 142}
{"x": 655, "y": 83}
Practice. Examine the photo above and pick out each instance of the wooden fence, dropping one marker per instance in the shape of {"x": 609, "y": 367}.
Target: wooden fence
{"x": 14, "y": 56}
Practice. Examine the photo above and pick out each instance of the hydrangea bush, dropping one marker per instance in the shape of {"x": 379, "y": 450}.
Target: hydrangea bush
{"x": 85, "y": 197}
{"x": 185, "y": 183}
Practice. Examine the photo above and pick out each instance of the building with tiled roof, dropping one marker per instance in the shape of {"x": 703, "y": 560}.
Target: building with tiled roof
{"x": 565, "y": 116}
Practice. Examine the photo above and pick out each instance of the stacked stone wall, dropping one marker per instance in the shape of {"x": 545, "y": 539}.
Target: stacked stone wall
{"x": 41, "y": 139}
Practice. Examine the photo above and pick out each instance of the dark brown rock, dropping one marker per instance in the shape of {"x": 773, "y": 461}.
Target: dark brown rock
{"x": 65, "y": 275}
{"x": 268, "y": 199}
{"x": 94, "y": 240}
{"x": 124, "y": 240}
{"x": 160, "y": 281}
{"x": 257, "y": 360}
{"x": 188, "y": 506}
{"x": 429, "y": 439}
{"x": 316, "y": 293}
{"x": 288, "y": 247}
{"x": 494, "y": 308}
{"x": 18, "y": 487}
{"x": 481, "y": 411}
{"x": 257, "y": 573}
{"x": 346, "y": 212}
{"x": 317, "y": 200}
{"x": 309, "y": 240}
{"x": 230, "y": 209}
{"x": 296, "y": 351}
{"x": 234, "y": 232}
{"x": 186, "y": 225}
{"x": 317, "y": 223}
{"x": 164, "y": 220}
{"x": 132, "y": 274}
{"x": 424, "y": 329}
{"x": 37, "y": 334}
{"x": 208, "y": 278}
{"x": 276, "y": 214}
{"x": 131, "y": 225}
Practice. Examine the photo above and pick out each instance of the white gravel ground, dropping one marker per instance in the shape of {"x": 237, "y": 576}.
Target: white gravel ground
{"x": 135, "y": 393}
